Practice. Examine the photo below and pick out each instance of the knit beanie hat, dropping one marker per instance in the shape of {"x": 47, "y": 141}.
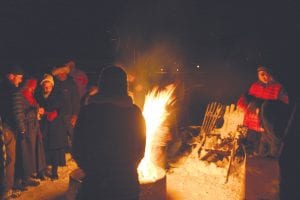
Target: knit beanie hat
{"x": 49, "y": 78}
{"x": 15, "y": 70}
{"x": 61, "y": 70}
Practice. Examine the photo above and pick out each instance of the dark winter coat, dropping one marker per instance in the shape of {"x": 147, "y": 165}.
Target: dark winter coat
{"x": 54, "y": 132}
{"x": 70, "y": 95}
{"x": 13, "y": 113}
{"x": 9, "y": 93}
{"x": 30, "y": 152}
{"x": 31, "y": 145}
{"x": 109, "y": 142}
{"x": 71, "y": 99}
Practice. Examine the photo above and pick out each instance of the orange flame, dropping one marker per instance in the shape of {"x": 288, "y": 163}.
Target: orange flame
{"x": 155, "y": 113}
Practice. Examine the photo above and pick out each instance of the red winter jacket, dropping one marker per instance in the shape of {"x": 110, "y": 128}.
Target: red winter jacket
{"x": 260, "y": 92}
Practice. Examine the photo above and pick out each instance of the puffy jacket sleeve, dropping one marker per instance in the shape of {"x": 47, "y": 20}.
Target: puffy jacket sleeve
{"x": 18, "y": 111}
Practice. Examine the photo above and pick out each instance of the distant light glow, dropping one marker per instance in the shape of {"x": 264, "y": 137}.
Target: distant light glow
{"x": 198, "y": 66}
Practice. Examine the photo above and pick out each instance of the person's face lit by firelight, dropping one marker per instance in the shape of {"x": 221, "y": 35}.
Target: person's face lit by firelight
{"x": 47, "y": 87}
{"x": 264, "y": 77}
{"x": 15, "y": 79}
{"x": 62, "y": 76}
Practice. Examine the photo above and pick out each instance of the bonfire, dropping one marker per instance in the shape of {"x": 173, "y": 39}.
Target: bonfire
{"x": 155, "y": 112}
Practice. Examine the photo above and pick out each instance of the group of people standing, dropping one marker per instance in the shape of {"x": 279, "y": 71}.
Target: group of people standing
{"x": 38, "y": 120}
{"x": 41, "y": 120}
{"x": 38, "y": 117}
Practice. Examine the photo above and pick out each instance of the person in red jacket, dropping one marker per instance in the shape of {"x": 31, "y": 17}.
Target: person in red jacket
{"x": 266, "y": 89}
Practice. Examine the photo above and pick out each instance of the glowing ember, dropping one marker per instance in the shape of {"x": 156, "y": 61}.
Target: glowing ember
{"x": 155, "y": 113}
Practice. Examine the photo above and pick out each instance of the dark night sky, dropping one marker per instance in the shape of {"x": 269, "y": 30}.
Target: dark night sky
{"x": 34, "y": 30}
{"x": 227, "y": 40}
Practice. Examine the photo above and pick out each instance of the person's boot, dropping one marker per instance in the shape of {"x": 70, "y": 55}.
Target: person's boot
{"x": 41, "y": 176}
{"x": 47, "y": 172}
{"x": 11, "y": 194}
{"x": 54, "y": 175}
{"x": 31, "y": 182}
{"x": 19, "y": 186}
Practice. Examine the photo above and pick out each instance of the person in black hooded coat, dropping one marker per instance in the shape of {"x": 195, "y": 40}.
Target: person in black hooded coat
{"x": 109, "y": 140}
{"x": 53, "y": 125}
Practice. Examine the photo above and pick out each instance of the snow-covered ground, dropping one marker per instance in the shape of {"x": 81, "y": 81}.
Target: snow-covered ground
{"x": 51, "y": 190}
{"x": 191, "y": 179}
{"x": 195, "y": 179}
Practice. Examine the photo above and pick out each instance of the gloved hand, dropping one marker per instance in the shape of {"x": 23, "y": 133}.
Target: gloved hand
{"x": 255, "y": 105}
{"x": 73, "y": 120}
{"x": 52, "y": 115}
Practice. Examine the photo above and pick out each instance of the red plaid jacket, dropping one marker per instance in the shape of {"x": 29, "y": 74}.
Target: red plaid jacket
{"x": 259, "y": 90}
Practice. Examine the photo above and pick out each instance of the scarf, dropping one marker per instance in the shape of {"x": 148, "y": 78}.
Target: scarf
{"x": 29, "y": 97}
